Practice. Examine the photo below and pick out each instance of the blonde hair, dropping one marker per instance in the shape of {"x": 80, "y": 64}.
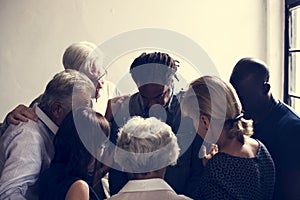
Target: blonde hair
{"x": 146, "y": 145}
{"x": 212, "y": 97}
{"x": 84, "y": 57}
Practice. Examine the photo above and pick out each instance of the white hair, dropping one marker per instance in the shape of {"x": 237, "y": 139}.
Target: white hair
{"x": 84, "y": 57}
{"x": 146, "y": 145}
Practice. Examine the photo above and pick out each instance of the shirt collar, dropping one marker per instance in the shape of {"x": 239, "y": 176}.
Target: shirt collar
{"x": 45, "y": 119}
{"x": 146, "y": 185}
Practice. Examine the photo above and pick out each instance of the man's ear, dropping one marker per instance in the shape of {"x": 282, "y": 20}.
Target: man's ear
{"x": 267, "y": 87}
{"x": 56, "y": 109}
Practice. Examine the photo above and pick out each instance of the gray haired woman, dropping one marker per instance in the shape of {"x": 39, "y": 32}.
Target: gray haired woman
{"x": 145, "y": 147}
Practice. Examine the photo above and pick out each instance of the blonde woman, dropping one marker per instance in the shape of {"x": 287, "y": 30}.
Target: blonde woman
{"x": 243, "y": 167}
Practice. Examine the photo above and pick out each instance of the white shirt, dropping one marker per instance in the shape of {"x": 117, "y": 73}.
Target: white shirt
{"x": 108, "y": 91}
{"x": 26, "y": 150}
{"x": 154, "y": 188}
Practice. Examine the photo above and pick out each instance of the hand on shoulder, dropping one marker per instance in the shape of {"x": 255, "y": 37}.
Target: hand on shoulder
{"x": 21, "y": 114}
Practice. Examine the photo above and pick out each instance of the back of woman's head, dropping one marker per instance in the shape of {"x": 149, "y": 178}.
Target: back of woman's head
{"x": 146, "y": 145}
{"x": 212, "y": 97}
{"x": 78, "y": 140}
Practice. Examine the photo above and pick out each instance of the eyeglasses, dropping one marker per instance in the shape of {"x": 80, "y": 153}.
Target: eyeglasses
{"x": 100, "y": 77}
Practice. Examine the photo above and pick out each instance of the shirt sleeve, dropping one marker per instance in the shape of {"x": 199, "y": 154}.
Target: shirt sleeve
{"x": 22, "y": 165}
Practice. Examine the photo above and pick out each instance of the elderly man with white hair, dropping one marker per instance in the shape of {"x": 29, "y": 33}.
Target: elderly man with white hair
{"x": 145, "y": 147}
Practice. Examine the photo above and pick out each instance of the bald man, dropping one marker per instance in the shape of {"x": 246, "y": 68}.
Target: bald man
{"x": 275, "y": 124}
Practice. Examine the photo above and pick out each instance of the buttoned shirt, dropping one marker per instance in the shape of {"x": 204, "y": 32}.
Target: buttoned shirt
{"x": 154, "y": 188}
{"x": 26, "y": 150}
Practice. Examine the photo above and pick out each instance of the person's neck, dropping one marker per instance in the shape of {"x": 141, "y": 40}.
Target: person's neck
{"x": 265, "y": 110}
{"x": 234, "y": 147}
{"x": 225, "y": 144}
{"x": 160, "y": 173}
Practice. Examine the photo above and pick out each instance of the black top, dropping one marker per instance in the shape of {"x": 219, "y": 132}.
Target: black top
{"x": 280, "y": 132}
{"x": 230, "y": 177}
{"x": 55, "y": 183}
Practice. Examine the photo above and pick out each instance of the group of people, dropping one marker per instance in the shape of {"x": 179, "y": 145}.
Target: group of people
{"x": 202, "y": 143}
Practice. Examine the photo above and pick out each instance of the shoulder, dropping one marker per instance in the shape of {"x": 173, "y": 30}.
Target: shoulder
{"x": 79, "y": 190}
{"x": 264, "y": 155}
{"x": 22, "y": 132}
{"x": 119, "y": 99}
{"x": 288, "y": 112}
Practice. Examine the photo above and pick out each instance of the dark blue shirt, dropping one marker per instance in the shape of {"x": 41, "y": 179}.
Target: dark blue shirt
{"x": 230, "y": 177}
{"x": 280, "y": 132}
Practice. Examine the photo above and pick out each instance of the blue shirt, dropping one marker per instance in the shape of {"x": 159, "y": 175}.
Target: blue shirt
{"x": 280, "y": 132}
{"x": 25, "y": 151}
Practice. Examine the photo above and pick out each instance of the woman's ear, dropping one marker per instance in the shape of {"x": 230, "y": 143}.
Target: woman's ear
{"x": 204, "y": 119}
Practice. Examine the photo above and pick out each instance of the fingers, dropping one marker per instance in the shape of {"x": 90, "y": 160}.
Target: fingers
{"x": 206, "y": 157}
{"x": 203, "y": 150}
{"x": 214, "y": 149}
{"x": 21, "y": 113}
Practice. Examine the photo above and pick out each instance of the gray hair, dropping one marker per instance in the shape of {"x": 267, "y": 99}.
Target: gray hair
{"x": 146, "y": 145}
{"x": 65, "y": 86}
{"x": 84, "y": 57}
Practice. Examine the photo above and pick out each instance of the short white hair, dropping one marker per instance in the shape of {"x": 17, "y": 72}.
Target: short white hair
{"x": 85, "y": 57}
{"x": 145, "y": 145}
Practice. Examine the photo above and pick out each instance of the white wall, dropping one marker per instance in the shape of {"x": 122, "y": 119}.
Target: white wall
{"x": 34, "y": 35}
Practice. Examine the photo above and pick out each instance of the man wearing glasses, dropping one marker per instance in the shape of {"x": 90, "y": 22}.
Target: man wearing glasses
{"x": 84, "y": 57}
